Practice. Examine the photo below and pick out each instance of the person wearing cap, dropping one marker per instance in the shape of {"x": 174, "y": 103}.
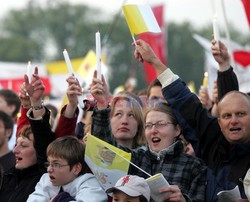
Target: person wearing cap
{"x": 130, "y": 188}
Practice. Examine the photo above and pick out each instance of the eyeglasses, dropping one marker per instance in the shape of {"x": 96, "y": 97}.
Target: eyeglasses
{"x": 54, "y": 165}
{"x": 158, "y": 125}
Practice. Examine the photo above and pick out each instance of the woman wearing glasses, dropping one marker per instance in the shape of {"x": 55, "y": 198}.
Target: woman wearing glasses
{"x": 164, "y": 152}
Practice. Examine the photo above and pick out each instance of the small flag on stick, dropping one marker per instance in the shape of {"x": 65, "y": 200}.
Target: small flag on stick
{"x": 140, "y": 19}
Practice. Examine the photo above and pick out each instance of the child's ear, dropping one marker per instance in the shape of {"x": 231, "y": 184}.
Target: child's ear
{"x": 77, "y": 168}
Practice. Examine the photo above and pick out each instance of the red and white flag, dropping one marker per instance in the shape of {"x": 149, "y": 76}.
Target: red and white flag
{"x": 241, "y": 68}
{"x": 12, "y": 76}
{"x": 246, "y": 4}
{"x": 157, "y": 42}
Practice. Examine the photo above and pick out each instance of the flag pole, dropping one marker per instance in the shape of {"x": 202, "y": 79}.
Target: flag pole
{"x": 213, "y": 7}
{"x": 126, "y": 160}
{"x": 133, "y": 37}
{"x": 227, "y": 33}
{"x": 130, "y": 162}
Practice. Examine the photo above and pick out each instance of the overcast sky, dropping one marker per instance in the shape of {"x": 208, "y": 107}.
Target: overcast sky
{"x": 198, "y": 12}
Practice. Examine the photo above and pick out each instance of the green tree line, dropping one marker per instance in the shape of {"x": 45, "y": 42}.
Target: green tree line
{"x": 41, "y": 32}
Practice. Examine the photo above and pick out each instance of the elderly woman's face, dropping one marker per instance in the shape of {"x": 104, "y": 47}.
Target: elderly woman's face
{"x": 25, "y": 152}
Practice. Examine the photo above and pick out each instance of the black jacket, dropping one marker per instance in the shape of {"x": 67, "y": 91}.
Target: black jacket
{"x": 19, "y": 184}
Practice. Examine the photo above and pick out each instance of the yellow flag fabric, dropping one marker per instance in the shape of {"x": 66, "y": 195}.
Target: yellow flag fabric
{"x": 140, "y": 19}
{"x": 87, "y": 64}
{"x": 60, "y": 67}
{"x": 106, "y": 161}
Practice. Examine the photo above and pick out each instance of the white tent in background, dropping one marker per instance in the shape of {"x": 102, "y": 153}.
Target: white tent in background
{"x": 12, "y": 74}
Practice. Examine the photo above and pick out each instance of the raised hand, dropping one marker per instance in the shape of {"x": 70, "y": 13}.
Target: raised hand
{"x": 100, "y": 92}
{"x": 35, "y": 89}
{"x": 74, "y": 90}
{"x": 143, "y": 52}
{"x": 24, "y": 97}
{"x": 204, "y": 98}
{"x": 221, "y": 55}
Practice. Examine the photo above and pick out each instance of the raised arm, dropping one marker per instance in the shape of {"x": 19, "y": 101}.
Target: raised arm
{"x": 39, "y": 117}
{"x": 227, "y": 79}
{"x": 101, "y": 114}
{"x": 192, "y": 117}
{"x": 68, "y": 118}
{"x": 25, "y": 106}
{"x": 143, "y": 52}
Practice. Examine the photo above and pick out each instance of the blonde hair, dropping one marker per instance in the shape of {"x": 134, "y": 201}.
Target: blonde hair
{"x": 139, "y": 138}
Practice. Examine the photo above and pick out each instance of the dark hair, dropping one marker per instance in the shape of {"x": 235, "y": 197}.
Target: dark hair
{"x": 70, "y": 149}
{"x": 142, "y": 199}
{"x": 154, "y": 83}
{"x": 7, "y": 121}
{"x": 12, "y": 99}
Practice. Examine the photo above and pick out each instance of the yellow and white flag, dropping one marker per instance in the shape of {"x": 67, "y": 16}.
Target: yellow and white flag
{"x": 107, "y": 162}
{"x": 140, "y": 18}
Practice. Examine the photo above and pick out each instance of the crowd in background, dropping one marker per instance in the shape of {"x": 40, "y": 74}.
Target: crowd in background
{"x": 200, "y": 145}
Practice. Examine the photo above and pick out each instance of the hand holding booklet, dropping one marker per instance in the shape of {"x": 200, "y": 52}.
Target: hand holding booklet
{"x": 157, "y": 182}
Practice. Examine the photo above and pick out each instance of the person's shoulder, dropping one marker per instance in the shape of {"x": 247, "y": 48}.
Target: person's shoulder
{"x": 192, "y": 159}
{"x": 87, "y": 179}
{"x": 45, "y": 180}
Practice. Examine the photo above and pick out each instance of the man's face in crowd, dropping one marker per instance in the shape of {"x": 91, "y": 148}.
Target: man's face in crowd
{"x": 234, "y": 118}
{"x": 155, "y": 92}
{"x": 4, "y": 134}
{"x": 8, "y": 109}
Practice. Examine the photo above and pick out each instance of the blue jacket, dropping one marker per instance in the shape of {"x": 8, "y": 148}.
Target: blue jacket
{"x": 229, "y": 163}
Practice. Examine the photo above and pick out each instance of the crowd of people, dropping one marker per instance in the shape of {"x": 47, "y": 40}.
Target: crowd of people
{"x": 200, "y": 145}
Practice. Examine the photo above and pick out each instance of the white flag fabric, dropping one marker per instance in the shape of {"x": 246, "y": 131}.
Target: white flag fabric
{"x": 140, "y": 19}
{"x": 211, "y": 66}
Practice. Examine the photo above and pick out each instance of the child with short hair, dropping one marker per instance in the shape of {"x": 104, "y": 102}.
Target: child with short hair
{"x": 130, "y": 188}
{"x": 67, "y": 179}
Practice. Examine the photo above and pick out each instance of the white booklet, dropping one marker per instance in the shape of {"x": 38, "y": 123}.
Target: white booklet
{"x": 156, "y": 182}
{"x": 229, "y": 195}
